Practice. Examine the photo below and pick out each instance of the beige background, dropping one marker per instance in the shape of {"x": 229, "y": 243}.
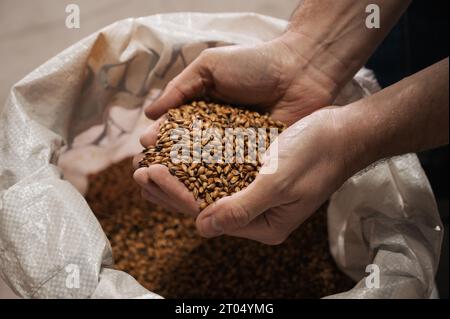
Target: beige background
{"x": 31, "y": 32}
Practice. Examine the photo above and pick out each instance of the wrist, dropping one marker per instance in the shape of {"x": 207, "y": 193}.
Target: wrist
{"x": 337, "y": 33}
{"x": 316, "y": 60}
{"x": 359, "y": 134}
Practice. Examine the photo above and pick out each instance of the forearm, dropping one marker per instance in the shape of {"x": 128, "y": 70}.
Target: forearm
{"x": 332, "y": 37}
{"x": 409, "y": 116}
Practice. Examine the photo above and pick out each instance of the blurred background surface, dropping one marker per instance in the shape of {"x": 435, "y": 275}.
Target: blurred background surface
{"x": 31, "y": 32}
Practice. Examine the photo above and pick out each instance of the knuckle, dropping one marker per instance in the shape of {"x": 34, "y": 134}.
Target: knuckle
{"x": 171, "y": 84}
{"x": 206, "y": 54}
{"x": 206, "y": 57}
{"x": 238, "y": 216}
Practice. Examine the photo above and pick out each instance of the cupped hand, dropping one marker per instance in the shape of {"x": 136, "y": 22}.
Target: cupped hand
{"x": 159, "y": 186}
{"x": 312, "y": 164}
{"x": 271, "y": 76}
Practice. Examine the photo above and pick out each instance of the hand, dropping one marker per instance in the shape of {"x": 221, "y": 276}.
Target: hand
{"x": 269, "y": 75}
{"x": 312, "y": 164}
{"x": 318, "y": 153}
{"x": 159, "y": 186}
{"x": 272, "y": 76}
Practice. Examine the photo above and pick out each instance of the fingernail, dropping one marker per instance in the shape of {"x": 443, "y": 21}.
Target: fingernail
{"x": 211, "y": 227}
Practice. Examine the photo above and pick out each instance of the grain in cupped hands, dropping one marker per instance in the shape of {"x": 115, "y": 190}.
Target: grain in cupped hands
{"x": 214, "y": 150}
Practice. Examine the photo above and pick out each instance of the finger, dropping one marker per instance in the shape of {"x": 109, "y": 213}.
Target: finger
{"x": 153, "y": 189}
{"x": 234, "y": 212}
{"x": 150, "y": 135}
{"x": 260, "y": 229}
{"x": 153, "y": 198}
{"x": 270, "y": 228}
{"x": 153, "y": 192}
{"x": 136, "y": 159}
{"x": 189, "y": 84}
{"x": 176, "y": 192}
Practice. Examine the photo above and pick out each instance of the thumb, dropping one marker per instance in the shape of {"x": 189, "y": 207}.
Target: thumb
{"x": 188, "y": 85}
{"x": 236, "y": 211}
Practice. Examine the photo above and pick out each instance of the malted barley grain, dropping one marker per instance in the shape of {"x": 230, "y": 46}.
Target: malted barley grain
{"x": 221, "y": 177}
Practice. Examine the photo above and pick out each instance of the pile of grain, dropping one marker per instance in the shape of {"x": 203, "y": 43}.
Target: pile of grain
{"x": 215, "y": 164}
{"x": 165, "y": 254}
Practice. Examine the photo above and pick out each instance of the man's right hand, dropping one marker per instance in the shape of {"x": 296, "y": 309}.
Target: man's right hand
{"x": 271, "y": 76}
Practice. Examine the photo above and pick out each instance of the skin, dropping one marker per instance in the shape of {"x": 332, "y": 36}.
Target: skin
{"x": 274, "y": 205}
{"x": 295, "y": 77}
